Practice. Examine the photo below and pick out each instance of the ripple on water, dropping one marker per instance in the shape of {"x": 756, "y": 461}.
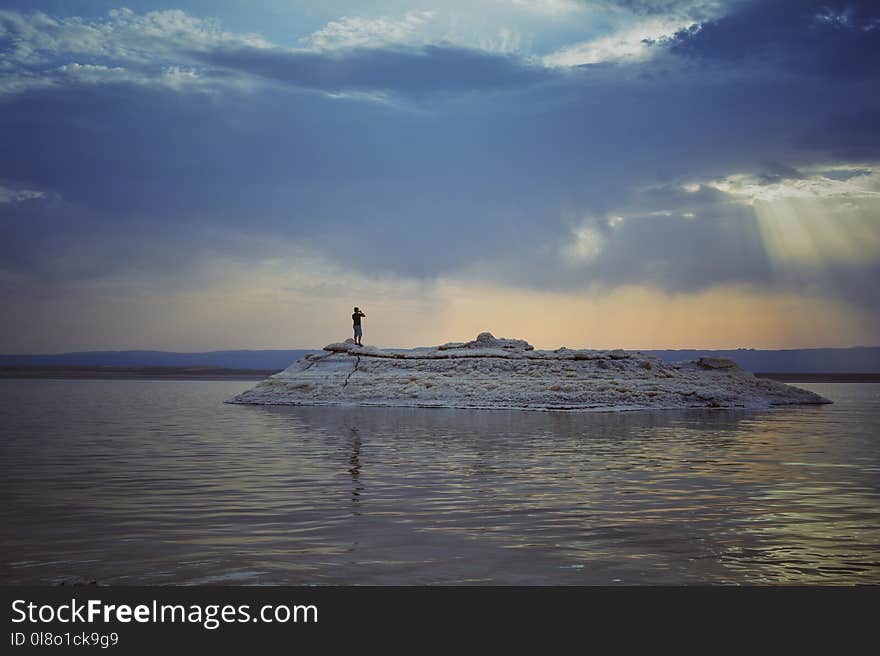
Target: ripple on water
{"x": 159, "y": 482}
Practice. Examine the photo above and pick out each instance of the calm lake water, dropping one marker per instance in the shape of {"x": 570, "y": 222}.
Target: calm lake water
{"x": 159, "y": 482}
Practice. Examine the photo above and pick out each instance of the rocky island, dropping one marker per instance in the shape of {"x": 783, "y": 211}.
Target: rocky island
{"x": 509, "y": 373}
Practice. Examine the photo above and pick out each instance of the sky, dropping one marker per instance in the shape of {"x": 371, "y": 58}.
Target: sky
{"x": 198, "y": 175}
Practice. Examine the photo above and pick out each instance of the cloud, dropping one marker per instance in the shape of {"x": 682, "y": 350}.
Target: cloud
{"x": 809, "y": 36}
{"x": 550, "y": 7}
{"x": 632, "y": 43}
{"x": 360, "y": 32}
{"x": 122, "y": 35}
{"x": 427, "y": 70}
{"x": 19, "y": 195}
{"x": 167, "y": 149}
{"x": 169, "y": 48}
{"x": 697, "y": 9}
{"x": 678, "y": 247}
{"x": 638, "y": 31}
{"x": 155, "y": 48}
{"x": 850, "y": 133}
{"x": 855, "y": 183}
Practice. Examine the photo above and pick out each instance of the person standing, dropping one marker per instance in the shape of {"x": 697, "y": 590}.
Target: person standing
{"x": 358, "y": 331}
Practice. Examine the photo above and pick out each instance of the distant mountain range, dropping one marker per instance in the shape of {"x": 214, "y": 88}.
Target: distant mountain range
{"x": 269, "y": 359}
{"x": 863, "y": 359}
{"x": 859, "y": 359}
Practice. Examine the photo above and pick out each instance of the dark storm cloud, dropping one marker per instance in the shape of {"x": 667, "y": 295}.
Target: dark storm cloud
{"x": 850, "y": 134}
{"x": 808, "y": 36}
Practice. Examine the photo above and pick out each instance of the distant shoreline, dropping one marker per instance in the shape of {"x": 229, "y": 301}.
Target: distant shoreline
{"x": 220, "y": 373}
{"x": 137, "y": 373}
{"x": 822, "y": 377}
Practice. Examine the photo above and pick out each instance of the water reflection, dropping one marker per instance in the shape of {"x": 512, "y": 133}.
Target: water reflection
{"x": 355, "y": 469}
{"x": 158, "y": 482}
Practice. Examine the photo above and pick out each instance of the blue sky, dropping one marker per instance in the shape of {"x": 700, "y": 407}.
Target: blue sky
{"x": 205, "y": 175}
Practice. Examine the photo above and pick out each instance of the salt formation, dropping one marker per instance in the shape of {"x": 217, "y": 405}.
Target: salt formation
{"x": 510, "y": 373}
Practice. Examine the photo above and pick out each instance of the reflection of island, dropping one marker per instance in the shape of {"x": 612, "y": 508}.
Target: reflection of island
{"x": 508, "y": 373}
{"x": 674, "y": 496}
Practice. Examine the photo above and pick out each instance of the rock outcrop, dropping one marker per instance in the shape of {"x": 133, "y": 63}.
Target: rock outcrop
{"x": 509, "y": 373}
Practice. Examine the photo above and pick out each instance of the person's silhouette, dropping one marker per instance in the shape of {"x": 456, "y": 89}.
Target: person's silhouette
{"x": 356, "y": 320}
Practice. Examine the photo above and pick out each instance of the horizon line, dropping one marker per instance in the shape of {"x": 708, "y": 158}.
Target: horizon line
{"x": 321, "y": 348}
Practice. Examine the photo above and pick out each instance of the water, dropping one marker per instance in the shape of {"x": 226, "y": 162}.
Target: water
{"x": 149, "y": 482}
